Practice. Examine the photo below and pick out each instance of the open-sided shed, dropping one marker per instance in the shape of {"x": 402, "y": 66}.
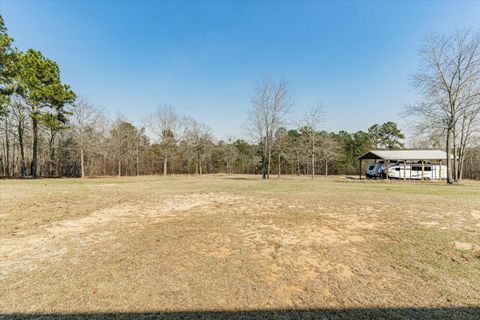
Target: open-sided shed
{"x": 403, "y": 155}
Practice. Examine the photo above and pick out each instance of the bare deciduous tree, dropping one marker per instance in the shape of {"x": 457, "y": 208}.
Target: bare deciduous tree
{"x": 168, "y": 128}
{"x": 280, "y": 144}
{"x": 468, "y": 126}
{"x": 84, "y": 121}
{"x": 230, "y": 154}
{"x": 270, "y": 103}
{"x": 329, "y": 150}
{"x": 198, "y": 139}
{"x": 448, "y": 83}
{"x": 311, "y": 123}
{"x": 20, "y": 115}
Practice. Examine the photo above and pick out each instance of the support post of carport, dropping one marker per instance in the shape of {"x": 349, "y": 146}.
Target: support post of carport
{"x": 440, "y": 173}
{"x": 423, "y": 170}
{"x": 404, "y": 169}
{"x": 360, "y": 168}
{"x": 386, "y": 170}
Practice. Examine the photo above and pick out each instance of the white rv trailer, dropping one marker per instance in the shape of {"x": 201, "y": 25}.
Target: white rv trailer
{"x": 414, "y": 171}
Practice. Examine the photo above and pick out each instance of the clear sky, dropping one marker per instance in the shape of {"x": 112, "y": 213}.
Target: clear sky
{"x": 204, "y": 58}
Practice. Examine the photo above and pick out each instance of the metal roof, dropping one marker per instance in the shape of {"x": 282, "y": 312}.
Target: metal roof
{"x": 405, "y": 155}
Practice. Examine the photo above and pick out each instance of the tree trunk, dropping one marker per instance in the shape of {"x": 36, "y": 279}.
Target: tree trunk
{"x": 326, "y": 168}
{"x": 279, "y": 166}
{"x": 138, "y": 169}
{"x": 449, "y": 160}
{"x": 51, "y": 145}
{"x": 7, "y": 151}
{"x": 2, "y": 160}
{"x": 264, "y": 169}
{"x": 165, "y": 160}
{"x": 23, "y": 165}
{"x": 268, "y": 167}
{"x": 14, "y": 160}
{"x": 461, "y": 158}
{"x": 463, "y": 145}
{"x": 313, "y": 155}
{"x": 461, "y": 162}
{"x": 82, "y": 164}
{"x": 119, "y": 166}
{"x": 269, "y": 161}
{"x": 264, "y": 158}
{"x": 33, "y": 165}
{"x": 454, "y": 152}
{"x": 313, "y": 165}
{"x": 298, "y": 164}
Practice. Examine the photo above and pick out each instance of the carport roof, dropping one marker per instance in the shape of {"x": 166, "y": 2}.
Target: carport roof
{"x": 405, "y": 155}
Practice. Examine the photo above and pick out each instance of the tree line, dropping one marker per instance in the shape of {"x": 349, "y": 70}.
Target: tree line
{"x": 46, "y": 130}
{"x": 89, "y": 144}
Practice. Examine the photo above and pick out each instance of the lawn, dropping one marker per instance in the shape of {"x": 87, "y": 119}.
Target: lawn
{"x": 238, "y": 247}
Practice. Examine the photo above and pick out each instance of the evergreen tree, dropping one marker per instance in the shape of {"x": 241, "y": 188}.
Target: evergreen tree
{"x": 7, "y": 57}
{"x": 37, "y": 81}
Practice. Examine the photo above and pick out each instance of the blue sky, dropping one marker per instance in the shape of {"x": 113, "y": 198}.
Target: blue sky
{"x": 204, "y": 58}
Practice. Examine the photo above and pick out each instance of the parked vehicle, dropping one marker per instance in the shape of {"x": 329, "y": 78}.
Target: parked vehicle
{"x": 382, "y": 171}
{"x": 373, "y": 171}
{"x": 414, "y": 171}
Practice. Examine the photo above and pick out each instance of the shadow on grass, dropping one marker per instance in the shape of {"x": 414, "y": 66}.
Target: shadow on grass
{"x": 447, "y": 313}
{"x": 240, "y": 178}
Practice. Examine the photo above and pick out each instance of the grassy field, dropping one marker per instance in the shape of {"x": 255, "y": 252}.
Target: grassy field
{"x": 187, "y": 247}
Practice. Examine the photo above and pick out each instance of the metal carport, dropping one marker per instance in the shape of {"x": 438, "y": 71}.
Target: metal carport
{"x": 403, "y": 155}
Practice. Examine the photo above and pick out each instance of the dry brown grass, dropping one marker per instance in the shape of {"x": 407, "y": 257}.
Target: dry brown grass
{"x": 154, "y": 244}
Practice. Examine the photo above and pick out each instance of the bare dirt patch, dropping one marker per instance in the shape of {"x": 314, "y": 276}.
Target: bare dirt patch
{"x": 26, "y": 252}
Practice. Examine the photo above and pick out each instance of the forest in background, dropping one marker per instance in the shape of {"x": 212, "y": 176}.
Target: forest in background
{"x": 47, "y": 130}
